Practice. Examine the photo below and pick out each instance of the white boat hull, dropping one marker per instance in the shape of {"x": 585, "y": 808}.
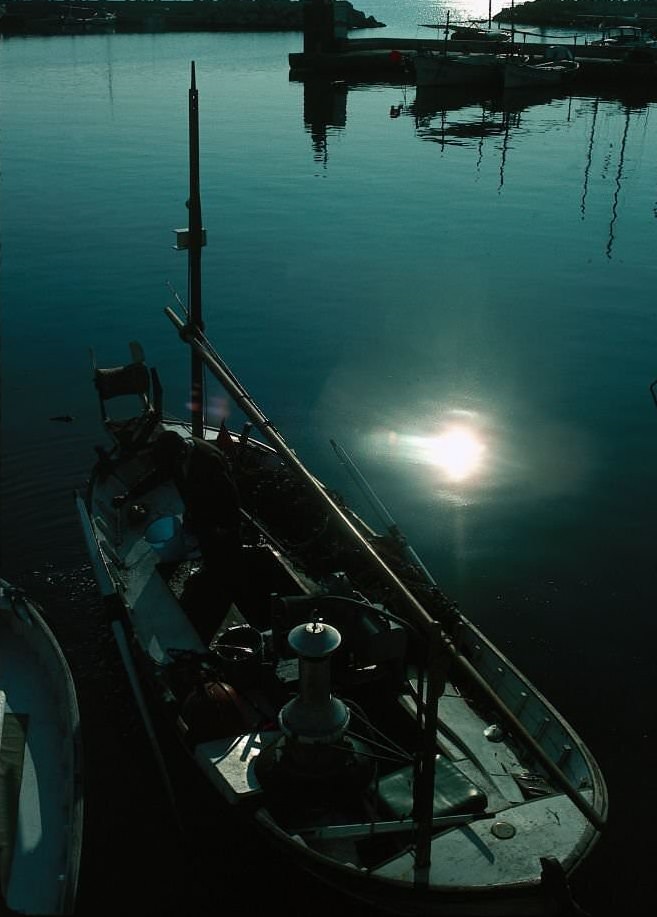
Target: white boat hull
{"x": 42, "y": 825}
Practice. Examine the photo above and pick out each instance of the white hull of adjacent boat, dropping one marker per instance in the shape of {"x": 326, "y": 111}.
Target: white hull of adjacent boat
{"x": 41, "y": 807}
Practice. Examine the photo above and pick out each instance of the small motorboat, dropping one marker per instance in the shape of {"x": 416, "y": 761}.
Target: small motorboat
{"x": 41, "y": 800}
{"x": 329, "y": 693}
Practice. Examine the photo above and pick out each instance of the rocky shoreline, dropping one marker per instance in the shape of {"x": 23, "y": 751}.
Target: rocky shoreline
{"x": 583, "y": 13}
{"x": 86, "y": 16}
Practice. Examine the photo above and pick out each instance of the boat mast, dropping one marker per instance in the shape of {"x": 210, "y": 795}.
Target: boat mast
{"x": 192, "y": 333}
{"x": 196, "y": 241}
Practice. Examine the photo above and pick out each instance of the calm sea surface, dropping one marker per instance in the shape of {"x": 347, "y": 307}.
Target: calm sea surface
{"x": 460, "y": 291}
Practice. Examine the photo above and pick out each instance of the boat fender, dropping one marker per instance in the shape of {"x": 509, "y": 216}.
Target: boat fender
{"x": 214, "y": 710}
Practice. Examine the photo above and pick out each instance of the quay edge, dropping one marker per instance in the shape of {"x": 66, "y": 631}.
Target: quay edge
{"x": 329, "y": 52}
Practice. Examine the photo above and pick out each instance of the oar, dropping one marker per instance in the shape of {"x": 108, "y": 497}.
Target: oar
{"x": 115, "y": 610}
{"x": 421, "y": 617}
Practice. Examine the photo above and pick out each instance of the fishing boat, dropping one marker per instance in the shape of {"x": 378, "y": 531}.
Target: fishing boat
{"x": 626, "y": 37}
{"x": 456, "y": 68}
{"x": 41, "y": 803}
{"x": 441, "y": 68}
{"x": 470, "y": 32}
{"x": 329, "y": 693}
{"x": 473, "y": 33}
{"x": 555, "y": 68}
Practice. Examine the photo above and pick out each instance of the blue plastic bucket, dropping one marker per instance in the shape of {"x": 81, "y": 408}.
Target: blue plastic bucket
{"x": 165, "y": 536}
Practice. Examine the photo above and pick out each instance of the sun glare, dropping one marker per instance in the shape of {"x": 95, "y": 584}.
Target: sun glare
{"x": 458, "y": 452}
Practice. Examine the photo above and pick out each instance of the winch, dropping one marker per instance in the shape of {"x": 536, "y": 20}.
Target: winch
{"x": 314, "y": 752}
{"x": 314, "y": 715}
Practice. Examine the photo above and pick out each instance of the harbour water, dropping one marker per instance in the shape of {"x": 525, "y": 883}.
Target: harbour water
{"x": 458, "y": 290}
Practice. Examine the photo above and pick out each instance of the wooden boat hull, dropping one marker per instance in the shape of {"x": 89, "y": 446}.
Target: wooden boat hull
{"x": 508, "y": 879}
{"x": 436, "y": 69}
{"x": 327, "y": 690}
{"x": 525, "y": 75}
{"x": 41, "y": 807}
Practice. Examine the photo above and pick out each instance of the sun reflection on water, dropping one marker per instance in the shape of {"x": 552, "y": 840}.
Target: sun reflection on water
{"x": 459, "y": 449}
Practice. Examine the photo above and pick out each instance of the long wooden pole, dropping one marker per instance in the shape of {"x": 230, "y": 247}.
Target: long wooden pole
{"x": 195, "y": 246}
{"x": 245, "y": 403}
{"x": 416, "y": 610}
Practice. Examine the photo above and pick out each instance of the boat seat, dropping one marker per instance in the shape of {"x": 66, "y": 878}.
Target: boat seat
{"x": 131, "y": 379}
{"x": 454, "y": 793}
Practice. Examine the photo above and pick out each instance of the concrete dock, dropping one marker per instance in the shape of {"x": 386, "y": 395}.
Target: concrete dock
{"x": 391, "y": 58}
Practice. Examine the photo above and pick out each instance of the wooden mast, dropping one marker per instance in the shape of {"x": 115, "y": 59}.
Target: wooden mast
{"x": 196, "y": 241}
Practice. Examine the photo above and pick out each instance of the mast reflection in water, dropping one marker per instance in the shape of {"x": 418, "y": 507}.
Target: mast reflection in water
{"x": 495, "y": 125}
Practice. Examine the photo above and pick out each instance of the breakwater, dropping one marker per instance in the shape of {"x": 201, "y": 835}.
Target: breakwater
{"x": 55, "y": 16}
{"x": 583, "y": 13}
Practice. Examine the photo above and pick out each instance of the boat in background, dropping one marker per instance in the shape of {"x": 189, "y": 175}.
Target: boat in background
{"x": 443, "y": 68}
{"x": 556, "y": 68}
{"x": 41, "y": 799}
{"x": 458, "y": 68}
{"x": 475, "y": 33}
{"x": 470, "y": 32}
{"x": 625, "y": 37}
{"x": 71, "y": 19}
{"x": 335, "y": 701}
